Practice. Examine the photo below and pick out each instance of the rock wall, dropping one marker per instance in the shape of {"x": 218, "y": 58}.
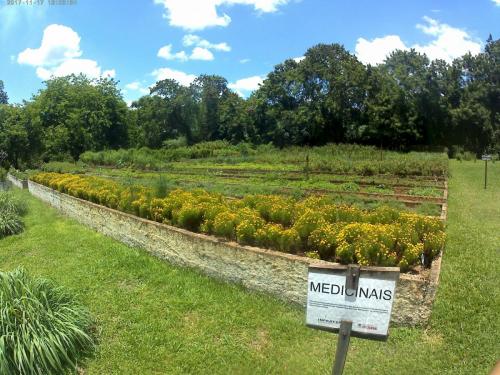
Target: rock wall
{"x": 280, "y": 274}
{"x": 21, "y": 184}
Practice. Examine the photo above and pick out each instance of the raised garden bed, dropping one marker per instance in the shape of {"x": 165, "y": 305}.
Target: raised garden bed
{"x": 283, "y": 275}
{"x": 21, "y": 184}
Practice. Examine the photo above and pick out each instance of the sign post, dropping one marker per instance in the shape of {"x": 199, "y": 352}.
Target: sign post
{"x": 352, "y": 301}
{"x": 485, "y": 157}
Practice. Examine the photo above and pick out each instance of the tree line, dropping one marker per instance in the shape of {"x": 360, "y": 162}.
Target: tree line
{"x": 407, "y": 102}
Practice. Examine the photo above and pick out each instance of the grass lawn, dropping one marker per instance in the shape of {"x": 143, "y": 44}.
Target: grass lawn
{"x": 158, "y": 319}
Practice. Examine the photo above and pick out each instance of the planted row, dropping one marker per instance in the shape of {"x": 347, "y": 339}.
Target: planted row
{"x": 314, "y": 226}
{"x": 333, "y": 158}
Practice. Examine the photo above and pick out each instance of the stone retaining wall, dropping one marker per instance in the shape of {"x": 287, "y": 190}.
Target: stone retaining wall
{"x": 283, "y": 275}
{"x": 21, "y": 184}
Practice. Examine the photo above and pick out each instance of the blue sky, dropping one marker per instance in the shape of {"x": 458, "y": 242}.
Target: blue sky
{"x": 138, "y": 42}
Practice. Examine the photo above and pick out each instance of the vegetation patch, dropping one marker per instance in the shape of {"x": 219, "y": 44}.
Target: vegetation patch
{"x": 43, "y": 329}
{"x": 333, "y": 158}
{"x": 382, "y": 236}
{"x": 11, "y": 211}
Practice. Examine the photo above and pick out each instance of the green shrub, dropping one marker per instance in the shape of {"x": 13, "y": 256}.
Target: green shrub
{"x": 269, "y": 235}
{"x": 189, "y": 216}
{"x": 10, "y": 223}
{"x": 224, "y": 224}
{"x": 308, "y": 222}
{"x": 289, "y": 241}
{"x": 324, "y": 240}
{"x": 247, "y": 229}
{"x": 9, "y": 202}
{"x": 43, "y": 330}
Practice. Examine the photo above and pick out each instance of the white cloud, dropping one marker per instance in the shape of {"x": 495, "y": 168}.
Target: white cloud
{"x": 136, "y": 86}
{"x": 195, "y": 40}
{"x": 58, "y": 55}
{"x": 244, "y": 61}
{"x": 450, "y": 42}
{"x": 58, "y": 44}
{"x": 166, "y": 53}
{"x": 183, "y": 78}
{"x": 197, "y": 15}
{"x": 497, "y": 2}
{"x": 298, "y": 59}
{"x": 200, "y": 53}
{"x": 246, "y": 85}
{"x": 447, "y": 44}
{"x": 74, "y": 66}
{"x": 133, "y": 85}
{"x": 375, "y": 51}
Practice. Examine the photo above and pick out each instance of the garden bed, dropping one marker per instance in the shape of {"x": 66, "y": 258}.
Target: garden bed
{"x": 280, "y": 274}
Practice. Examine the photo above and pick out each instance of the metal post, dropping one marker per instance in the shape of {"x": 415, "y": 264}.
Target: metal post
{"x": 485, "y": 172}
{"x": 342, "y": 346}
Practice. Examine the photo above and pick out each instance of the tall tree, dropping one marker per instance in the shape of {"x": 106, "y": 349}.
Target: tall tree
{"x": 209, "y": 91}
{"x": 4, "y": 98}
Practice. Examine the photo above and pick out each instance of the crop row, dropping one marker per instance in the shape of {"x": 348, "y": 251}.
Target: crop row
{"x": 338, "y": 158}
{"x": 313, "y": 226}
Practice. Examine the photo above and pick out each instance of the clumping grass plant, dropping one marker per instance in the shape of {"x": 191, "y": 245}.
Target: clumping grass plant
{"x": 10, "y": 223}
{"x": 11, "y": 210}
{"x": 43, "y": 329}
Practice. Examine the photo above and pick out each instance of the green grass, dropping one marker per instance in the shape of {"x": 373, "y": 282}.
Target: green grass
{"x": 158, "y": 319}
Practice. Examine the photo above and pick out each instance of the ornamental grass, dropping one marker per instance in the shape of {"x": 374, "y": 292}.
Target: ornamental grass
{"x": 43, "y": 329}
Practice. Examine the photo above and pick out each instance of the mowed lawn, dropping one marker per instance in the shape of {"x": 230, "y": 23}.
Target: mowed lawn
{"x": 157, "y": 319}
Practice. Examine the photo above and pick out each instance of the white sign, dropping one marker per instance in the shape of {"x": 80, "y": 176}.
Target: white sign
{"x": 486, "y": 157}
{"x": 368, "y": 307}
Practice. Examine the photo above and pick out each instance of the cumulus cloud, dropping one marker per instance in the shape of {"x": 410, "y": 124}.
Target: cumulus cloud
{"x": 447, "y": 44}
{"x": 496, "y": 2}
{"x": 166, "y": 53}
{"x": 245, "y": 86}
{"x": 195, "y": 40}
{"x": 136, "y": 86}
{"x": 198, "y": 15}
{"x": 74, "y": 66}
{"x": 58, "y": 44}
{"x": 58, "y": 55}
{"x": 375, "y": 51}
{"x": 183, "y": 78}
{"x": 200, "y": 53}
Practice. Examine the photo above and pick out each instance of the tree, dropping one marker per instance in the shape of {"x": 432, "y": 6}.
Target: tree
{"x": 209, "y": 91}
{"x": 4, "y": 99}
{"x": 76, "y": 114}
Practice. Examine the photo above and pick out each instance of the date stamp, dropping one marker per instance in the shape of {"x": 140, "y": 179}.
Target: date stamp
{"x": 39, "y": 2}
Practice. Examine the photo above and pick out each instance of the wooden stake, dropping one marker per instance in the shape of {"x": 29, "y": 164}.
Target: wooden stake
{"x": 485, "y": 172}
{"x": 342, "y": 346}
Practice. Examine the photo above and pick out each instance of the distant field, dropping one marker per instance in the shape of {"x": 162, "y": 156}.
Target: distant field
{"x": 155, "y": 318}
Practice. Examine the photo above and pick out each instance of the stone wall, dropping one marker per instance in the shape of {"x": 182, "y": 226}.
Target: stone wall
{"x": 21, "y": 184}
{"x": 280, "y": 274}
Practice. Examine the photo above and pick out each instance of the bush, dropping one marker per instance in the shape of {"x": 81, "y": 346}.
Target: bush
{"x": 10, "y": 223}
{"x": 11, "y": 210}
{"x": 9, "y": 202}
{"x": 43, "y": 330}
{"x": 324, "y": 240}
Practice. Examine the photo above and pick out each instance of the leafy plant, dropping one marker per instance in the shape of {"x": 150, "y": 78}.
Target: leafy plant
{"x": 43, "y": 329}
{"x": 10, "y": 223}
